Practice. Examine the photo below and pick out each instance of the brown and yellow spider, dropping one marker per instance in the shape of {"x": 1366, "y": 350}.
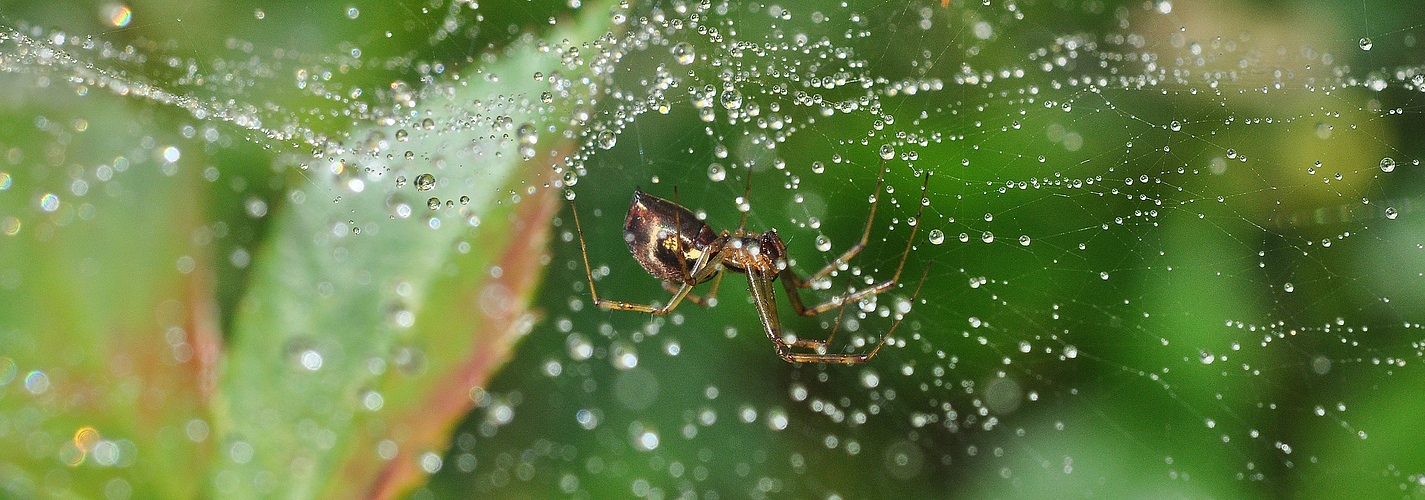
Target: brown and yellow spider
{"x": 674, "y": 246}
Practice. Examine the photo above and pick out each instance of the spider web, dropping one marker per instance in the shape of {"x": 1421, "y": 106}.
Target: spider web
{"x": 1169, "y": 248}
{"x": 1156, "y": 264}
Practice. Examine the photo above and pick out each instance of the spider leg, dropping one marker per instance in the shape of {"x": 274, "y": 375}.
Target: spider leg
{"x": 746, "y": 198}
{"x": 765, "y": 301}
{"x": 706, "y": 300}
{"x": 617, "y": 305}
{"x": 791, "y": 282}
{"x": 861, "y": 244}
{"x": 836, "y": 324}
{"x": 678, "y": 227}
{"x": 851, "y": 359}
{"x": 703, "y": 268}
{"x": 817, "y": 345}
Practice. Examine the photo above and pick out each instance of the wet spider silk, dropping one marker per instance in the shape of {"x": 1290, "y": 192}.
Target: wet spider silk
{"x": 1172, "y": 249}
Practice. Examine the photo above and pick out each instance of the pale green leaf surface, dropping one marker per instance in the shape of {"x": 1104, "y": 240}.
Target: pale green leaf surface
{"x": 322, "y": 290}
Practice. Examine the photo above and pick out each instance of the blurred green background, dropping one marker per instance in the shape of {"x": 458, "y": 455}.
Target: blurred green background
{"x": 1176, "y": 249}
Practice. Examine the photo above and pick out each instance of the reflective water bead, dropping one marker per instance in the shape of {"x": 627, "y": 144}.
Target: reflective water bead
{"x": 683, "y": 53}
{"x": 937, "y": 236}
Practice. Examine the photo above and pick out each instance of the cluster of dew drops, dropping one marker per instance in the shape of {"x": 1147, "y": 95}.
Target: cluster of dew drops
{"x": 426, "y": 182}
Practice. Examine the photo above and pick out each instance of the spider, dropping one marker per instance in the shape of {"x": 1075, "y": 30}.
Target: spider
{"x": 682, "y": 251}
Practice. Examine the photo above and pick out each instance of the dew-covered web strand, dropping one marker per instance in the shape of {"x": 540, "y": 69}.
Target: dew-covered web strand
{"x": 1001, "y": 301}
{"x": 154, "y": 92}
{"x": 1137, "y": 234}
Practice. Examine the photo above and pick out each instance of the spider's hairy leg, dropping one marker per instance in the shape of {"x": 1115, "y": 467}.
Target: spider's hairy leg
{"x": 817, "y": 345}
{"x": 706, "y": 300}
{"x": 860, "y": 245}
{"x": 853, "y": 359}
{"x": 746, "y": 198}
{"x": 792, "y": 282}
{"x": 678, "y": 228}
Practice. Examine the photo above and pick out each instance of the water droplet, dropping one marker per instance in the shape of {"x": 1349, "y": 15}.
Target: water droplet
{"x": 546, "y": 97}
{"x": 36, "y": 382}
{"x": 1366, "y": 43}
{"x": 425, "y": 182}
{"x": 987, "y": 237}
{"x": 352, "y": 12}
{"x": 716, "y": 172}
{"x": 869, "y": 379}
{"x": 464, "y": 200}
{"x": 683, "y": 53}
{"x": 607, "y": 139}
{"x": 904, "y": 460}
{"x": 1289, "y": 287}
{"x": 776, "y": 419}
{"x": 587, "y": 419}
{"x": 1024, "y": 240}
{"x": 431, "y": 462}
{"x": 1206, "y": 357}
{"x": 120, "y": 15}
{"x": 49, "y": 202}
{"x": 817, "y": 167}
{"x": 527, "y": 134}
{"x": 401, "y": 181}
{"x": 623, "y": 356}
{"x": 644, "y": 439}
{"x": 887, "y": 151}
{"x": 937, "y": 236}
{"x": 1387, "y": 164}
{"x": 1391, "y": 213}
{"x": 823, "y": 243}
{"x": 1175, "y": 126}
{"x": 433, "y": 203}
{"x": 402, "y": 135}
{"x": 311, "y": 360}
{"x": 579, "y": 347}
{"x": 731, "y": 99}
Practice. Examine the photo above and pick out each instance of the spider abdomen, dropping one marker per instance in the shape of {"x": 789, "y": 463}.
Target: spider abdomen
{"x": 665, "y": 238}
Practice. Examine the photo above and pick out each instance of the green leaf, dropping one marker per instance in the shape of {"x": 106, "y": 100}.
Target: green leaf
{"x": 341, "y": 373}
{"x": 108, "y": 332}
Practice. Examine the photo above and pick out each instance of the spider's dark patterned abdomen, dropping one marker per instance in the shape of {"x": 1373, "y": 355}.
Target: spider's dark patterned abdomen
{"x": 666, "y": 239}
